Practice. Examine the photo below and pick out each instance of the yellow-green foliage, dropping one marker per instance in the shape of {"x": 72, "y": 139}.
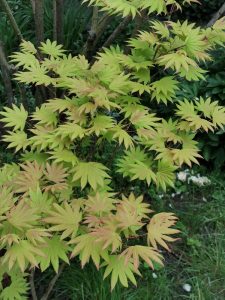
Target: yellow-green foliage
{"x": 59, "y": 203}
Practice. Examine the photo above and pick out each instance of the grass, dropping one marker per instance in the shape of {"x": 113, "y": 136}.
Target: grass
{"x": 198, "y": 258}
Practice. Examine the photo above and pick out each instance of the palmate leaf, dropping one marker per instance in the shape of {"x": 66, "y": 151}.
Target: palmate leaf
{"x": 165, "y": 175}
{"x": 18, "y": 288}
{"x": 108, "y": 237}
{"x": 101, "y": 124}
{"x": 45, "y": 116}
{"x": 87, "y": 247}
{"x": 40, "y": 201}
{"x": 17, "y": 140}
{"x": 159, "y": 229}
{"x": 136, "y": 204}
{"x": 71, "y": 131}
{"x": 142, "y": 171}
{"x": 176, "y": 61}
{"x": 164, "y": 89}
{"x": 6, "y": 202}
{"x": 100, "y": 204}
{"x": 28, "y": 178}
{"x": 53, "y": 250}
{"x": 51, "y": 48}
{"x": 148, "y": 254}
{"x": 119, "y": 270}
{"x": 22, "y": 253}
{"x": 56, "y": 174}
{"x": 14, "y": 117}
{"x": 64, "y": 218}
{"x": 122, "y": 136}
{"x": 92, "y": 173}
{"x": 21, "y": 216}
{"x": 64, "y": 155}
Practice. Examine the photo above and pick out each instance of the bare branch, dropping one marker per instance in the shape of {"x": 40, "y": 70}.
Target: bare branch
{"x": 117, "y": 31}
{"x": 217, "y": 15}
{"x": 12, "y": 20}
{"x": 53, "y": 282}
{"x": 88, "y": 47}
{"x": 32, "y": 286}
{"x": 58, "y": 11}
{"x": 5, "y": 69}
{"x": 38, "y": 11}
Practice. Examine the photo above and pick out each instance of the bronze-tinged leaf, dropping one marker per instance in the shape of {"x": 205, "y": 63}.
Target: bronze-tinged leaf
{"x": 159, "y": 229}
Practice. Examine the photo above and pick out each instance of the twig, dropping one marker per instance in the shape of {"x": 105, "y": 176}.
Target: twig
{"x": 58, "y": 21}
{"x": 5, "y": 68}
{"x": 53, "y": 282}
{"x": 217, "y": 15}
{"x": 12, "y": 20}
{"x": 88, "y": 47}
{"x": 116, "y": 32}
{"x": 38, "y": 11}
{"x": 32, "y": 286}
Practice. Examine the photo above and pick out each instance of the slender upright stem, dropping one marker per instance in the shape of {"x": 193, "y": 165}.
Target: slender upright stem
{"x": 58, "y": 21}
{"x": 5, "y": 68}
{"x": 53, "y": 282}
{"x": 32, "y": 286}
{"x": 217, "y": 15}
{"x": 116, "y": 32}
{"x": 38, "y": 11}
{"x": 11, "y": 18}
{"x": 88, "y": 47}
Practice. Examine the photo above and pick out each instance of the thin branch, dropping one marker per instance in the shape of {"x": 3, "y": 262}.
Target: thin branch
{"x": 38, "y": 11}
{"x": 12, "y": 20}
{"x": 53, "y": 282}
{"x": 32, "y": 286}
{"x": 6, "y": 70}
{"x": 58, "y": 12}
{"x": 217, "y": 15}
{"x": 116, "y": 32}
{"x": 88, "y": 47}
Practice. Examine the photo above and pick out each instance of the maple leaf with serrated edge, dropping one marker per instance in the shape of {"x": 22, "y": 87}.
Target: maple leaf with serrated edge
{"x": 18, "y": 287}
{"x": 14, "y": 117}
{"x": 57, "y": 174}
{"x": 148, "y": 254}
{"x": 136, "y": 204}
{"x": 108, "y": 237}
{"x": 165, "y": 174}
{"x": 22, "y": 253}
{"x": 17, "y": 140}
{"x": 51, "y": 48}
{"x": 100, "y": 124}
{"x": 115, "y": 265}
{"x": 21, "y": 216}
{"x": 99, "y": 204}
{"x": 54, "y": 250}
{"x": 90, "y": 172}
{"x": 122, "y": 136}
{"x": 65, "y": 218}
{"x": 28, "y": 178}
{"x": 159, "y": 229}
{"x": 87, "y": 248}
{"x": 142, "y": 171}
{"x": 45, "y": 116}
{"x": 63, "y": 155}
{"x": 71, "y": 131}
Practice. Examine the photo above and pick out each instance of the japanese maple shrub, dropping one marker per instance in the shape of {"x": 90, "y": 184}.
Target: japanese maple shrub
{"x": 58, "y": 202}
